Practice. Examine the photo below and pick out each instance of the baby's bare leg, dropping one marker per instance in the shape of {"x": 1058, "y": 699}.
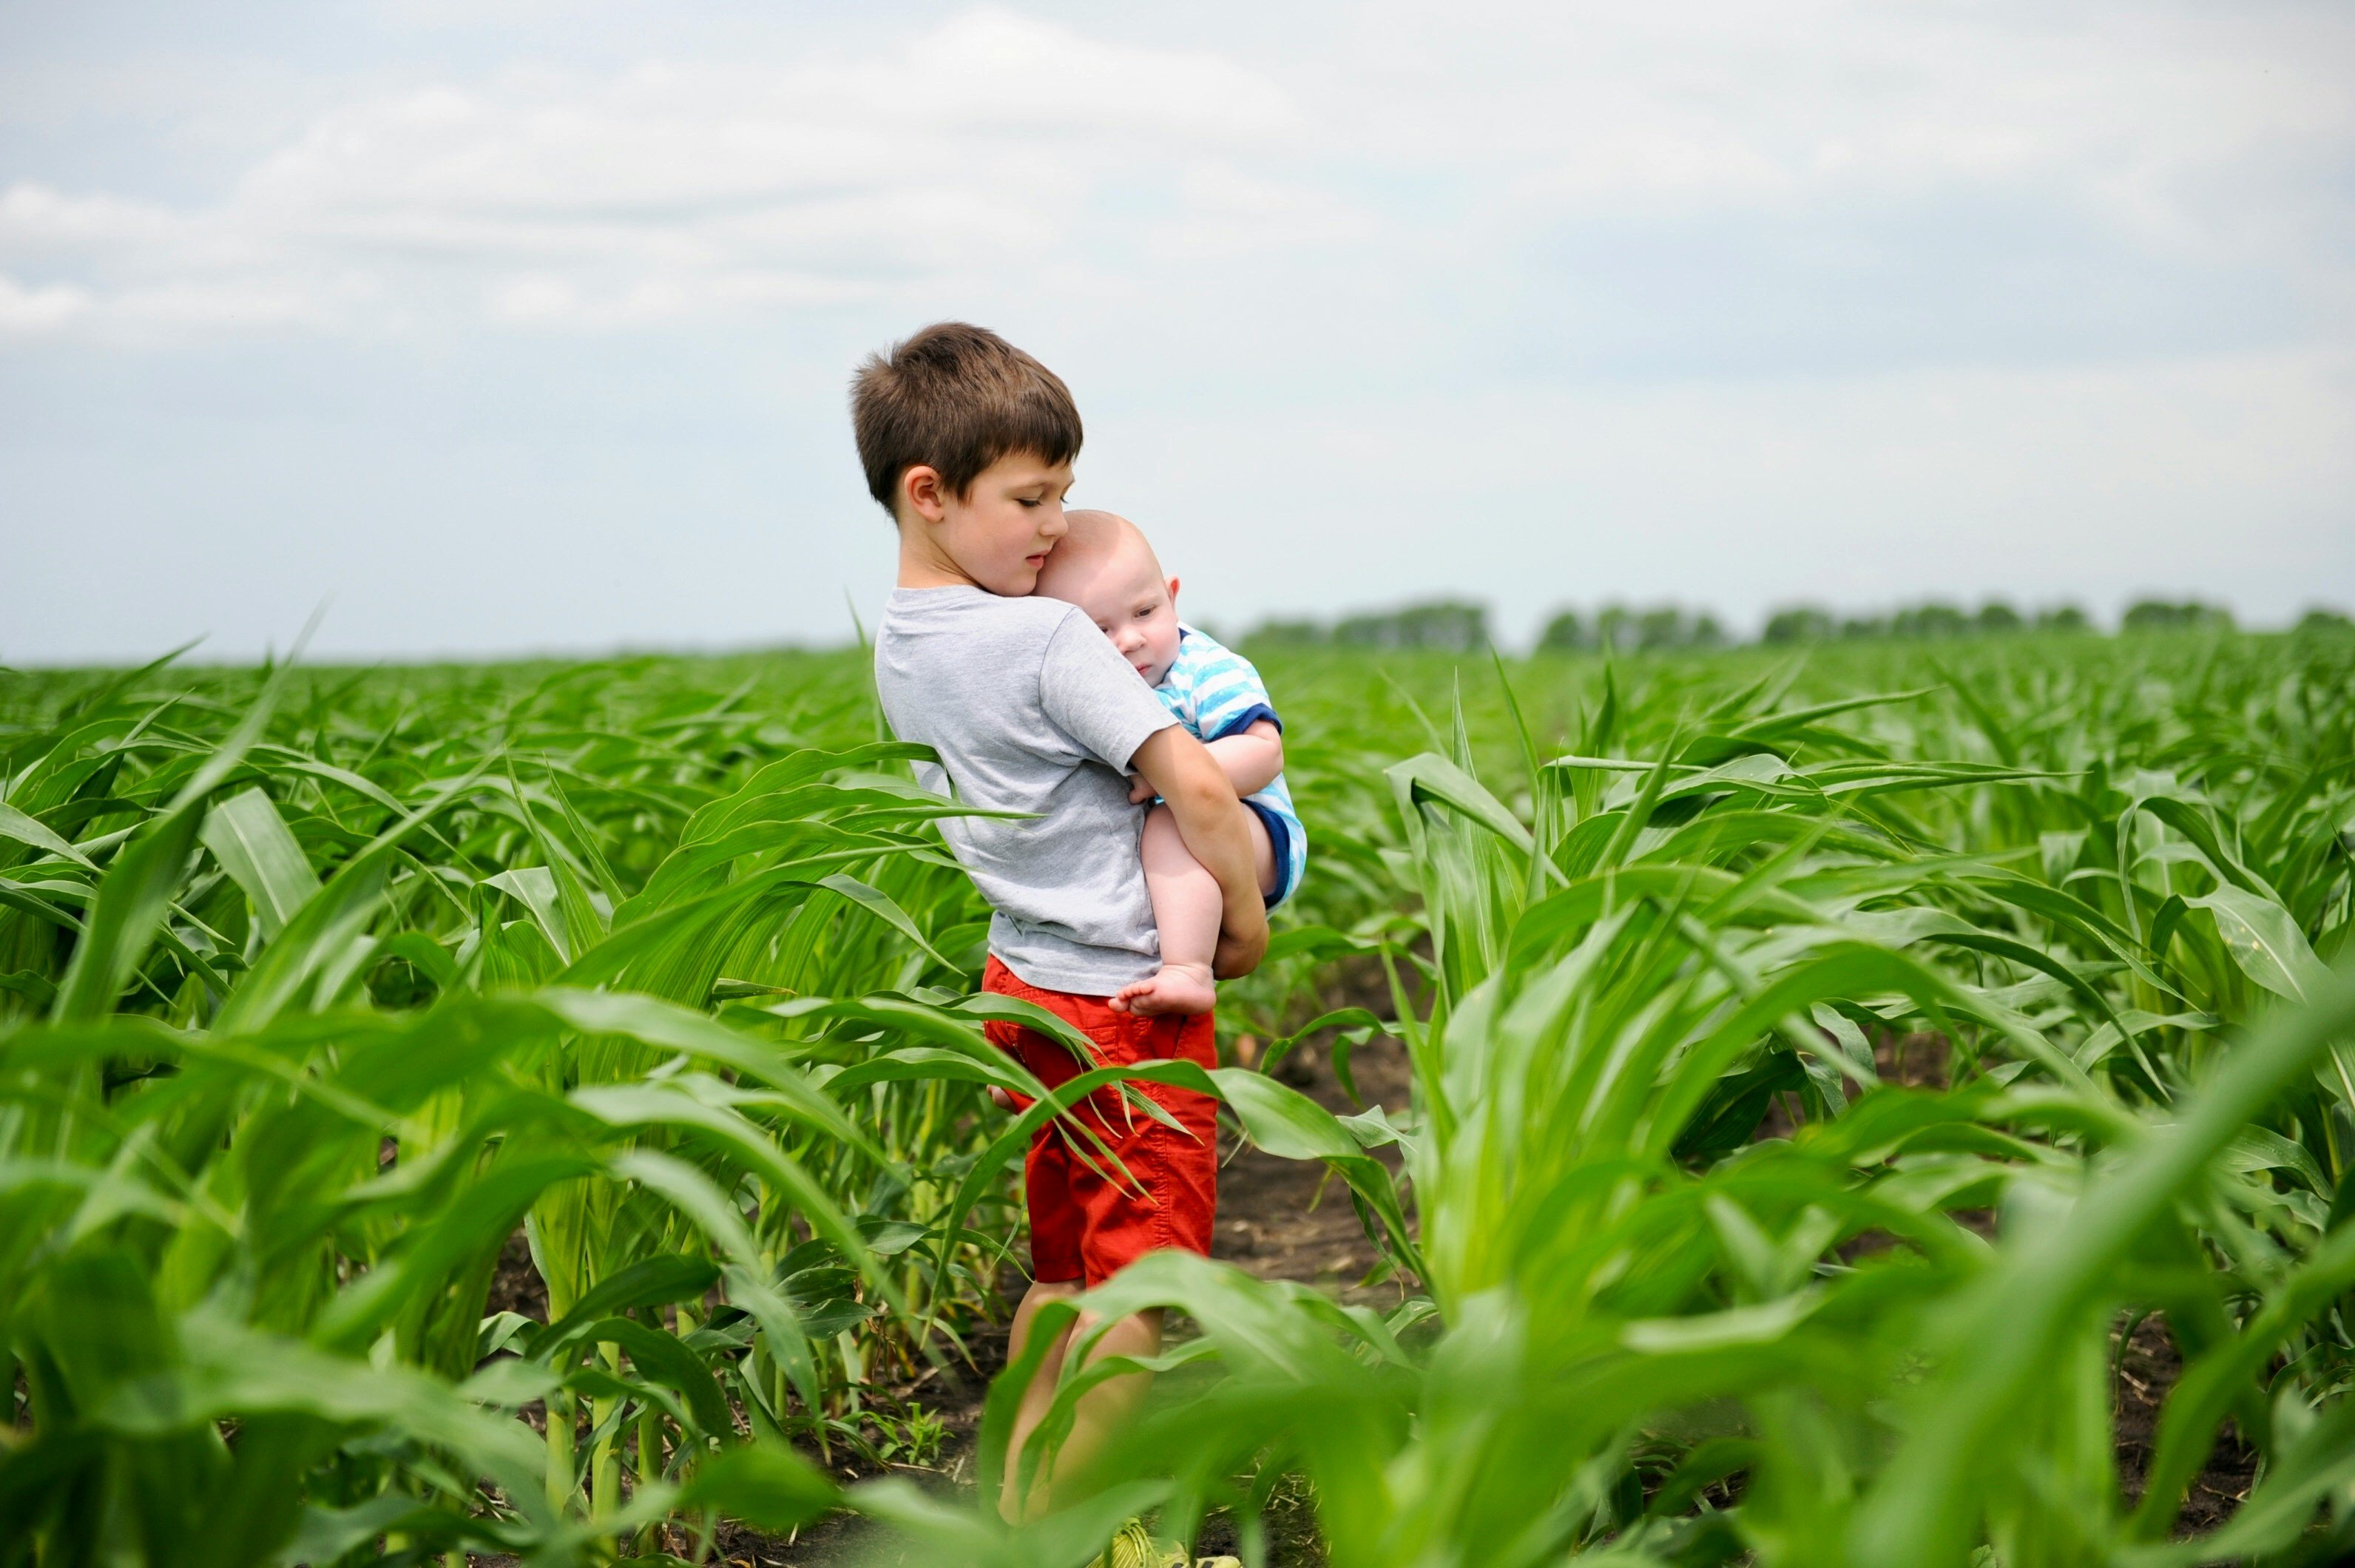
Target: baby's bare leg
{"x": 1186, "y": 906}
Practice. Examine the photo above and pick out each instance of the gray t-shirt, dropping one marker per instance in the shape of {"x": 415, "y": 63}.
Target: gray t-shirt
{"x": 1031, "y": 709}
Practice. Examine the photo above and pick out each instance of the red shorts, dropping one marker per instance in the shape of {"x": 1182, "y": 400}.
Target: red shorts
{"x": 1085, "y": 1223}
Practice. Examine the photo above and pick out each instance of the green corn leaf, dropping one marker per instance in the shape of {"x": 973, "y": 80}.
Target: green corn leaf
{"x": 250, "y": 839}
{"x": 138, "y": 885}
{"x": 14, "y": 824}
{"x": 2265, "y": 941}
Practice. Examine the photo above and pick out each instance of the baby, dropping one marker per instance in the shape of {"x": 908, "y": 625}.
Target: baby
{"x": 1105, "y": 567}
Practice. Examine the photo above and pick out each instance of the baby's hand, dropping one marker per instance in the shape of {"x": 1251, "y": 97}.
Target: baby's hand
{"x": 1140, "y": 790}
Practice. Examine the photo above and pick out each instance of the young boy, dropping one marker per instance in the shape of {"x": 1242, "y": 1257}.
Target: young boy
{"x": 968, "y": 443}
{"x": 1105, "y": 566}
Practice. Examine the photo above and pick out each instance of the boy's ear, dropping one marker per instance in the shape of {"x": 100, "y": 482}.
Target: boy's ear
{"x": 1173, "y": 592}
{"x": 921, "y": 488}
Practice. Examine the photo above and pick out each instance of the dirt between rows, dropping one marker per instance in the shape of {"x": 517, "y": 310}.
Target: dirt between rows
{"x": 1280, "y": 1220}
{"x": 1276, "y": 1219}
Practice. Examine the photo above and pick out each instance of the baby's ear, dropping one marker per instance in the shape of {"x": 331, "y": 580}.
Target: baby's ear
{"x": 1173, "y": 591}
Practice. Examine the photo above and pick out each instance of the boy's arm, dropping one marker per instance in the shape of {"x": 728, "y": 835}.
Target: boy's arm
{"x": 1210, "y": 820}
{"x": 1252, "y": 757}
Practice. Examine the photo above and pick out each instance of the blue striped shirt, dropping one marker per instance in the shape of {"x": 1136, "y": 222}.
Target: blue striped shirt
{"x": 1215, "y": 692}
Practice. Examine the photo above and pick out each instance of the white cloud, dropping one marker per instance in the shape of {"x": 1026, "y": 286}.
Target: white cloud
{"x": 24, "y": 312}
{"x": 2171, "y": 126}
{"x": 994, "y": 146}
{"x": 553, "y": 197}
{"x": 35, "y": 218}
{"x": 997, "y": 149}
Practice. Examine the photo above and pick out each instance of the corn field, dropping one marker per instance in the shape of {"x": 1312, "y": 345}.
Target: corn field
{"x": 317, "y": 985}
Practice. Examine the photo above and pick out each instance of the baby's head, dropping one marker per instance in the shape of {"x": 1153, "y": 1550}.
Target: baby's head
{"x": 1104, "y": 567}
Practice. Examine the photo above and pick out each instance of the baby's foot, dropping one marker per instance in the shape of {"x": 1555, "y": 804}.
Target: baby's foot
{"x": 1179, "y": 988}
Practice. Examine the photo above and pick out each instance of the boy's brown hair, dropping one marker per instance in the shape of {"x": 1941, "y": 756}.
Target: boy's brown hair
{"x": 957, "y": 398}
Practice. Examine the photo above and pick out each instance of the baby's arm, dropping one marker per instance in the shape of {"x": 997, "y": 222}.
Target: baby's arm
{"x": 1251, "y": 758}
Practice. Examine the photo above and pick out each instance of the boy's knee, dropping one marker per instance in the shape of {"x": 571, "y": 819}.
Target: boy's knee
{"x": 1138, "y": 1332}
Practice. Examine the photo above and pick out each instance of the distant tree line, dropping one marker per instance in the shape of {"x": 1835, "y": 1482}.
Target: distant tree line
{"x": 1810, "y": 623}
{"x": 1459, "y": 626}
{"x": 1623, "y": 629}
{"x": 2320, "y": 623}
{"x": 2191, "y": 616}
{"x": 1451, "y": 625}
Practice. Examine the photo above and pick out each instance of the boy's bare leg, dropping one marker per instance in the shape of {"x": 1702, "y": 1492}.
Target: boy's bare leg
{"x": 1100, "y": 1413}
{"x": 1186, "y": 906}
{"x": 1038, "y": 1395}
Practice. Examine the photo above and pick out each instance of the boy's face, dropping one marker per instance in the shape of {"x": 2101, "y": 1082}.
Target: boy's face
{"x": 1000, "y": 531}
{"x": 1123, "y": 592}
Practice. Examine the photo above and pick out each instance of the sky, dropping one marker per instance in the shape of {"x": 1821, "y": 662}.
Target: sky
{"x": 500, "y": 327}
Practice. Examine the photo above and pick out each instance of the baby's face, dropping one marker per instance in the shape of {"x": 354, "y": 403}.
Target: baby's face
{"x": 1123, "y": 592}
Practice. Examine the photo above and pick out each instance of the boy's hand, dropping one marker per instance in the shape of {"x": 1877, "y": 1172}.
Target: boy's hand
{"x": 1140, "y": 790}
{"x": 1238, "y": 953}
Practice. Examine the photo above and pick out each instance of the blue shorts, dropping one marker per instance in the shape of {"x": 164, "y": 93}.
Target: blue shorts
{"x": 1279, "y": 843}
